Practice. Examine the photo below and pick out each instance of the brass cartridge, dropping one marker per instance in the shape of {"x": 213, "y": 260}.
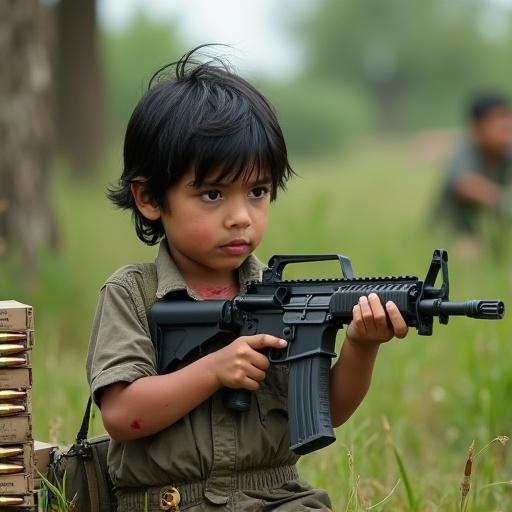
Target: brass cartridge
{"x": 12, "y": 361}
{"x": 6, "y": 349}
{"x": 11, "y": 469}
{"x": 11, "y": 410}
{"x": 7, "y": 337}
{"x": 11, "y": 395}
{"x": 11, "y": 501}
{"x": 10, "y": 451}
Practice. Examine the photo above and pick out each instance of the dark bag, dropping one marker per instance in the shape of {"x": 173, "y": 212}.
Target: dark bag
{"x": 82, "y": 470}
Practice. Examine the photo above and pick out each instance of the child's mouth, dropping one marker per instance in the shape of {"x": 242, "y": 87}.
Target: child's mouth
{"x": 236, "y": 247}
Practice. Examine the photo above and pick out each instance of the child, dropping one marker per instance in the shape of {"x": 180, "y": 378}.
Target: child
{"x": 204, "y": 155}
{"x": 479, "y": 173}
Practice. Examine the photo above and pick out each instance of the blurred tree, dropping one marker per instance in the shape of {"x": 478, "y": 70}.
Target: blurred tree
{"x": 27, "y": 223}
{"x": 80, "y": 89}
{"x": 415, "y": 58}
{"x": 132, "y": 53}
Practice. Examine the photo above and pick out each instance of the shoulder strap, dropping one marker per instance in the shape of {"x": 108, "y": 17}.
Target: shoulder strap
{"x": 84, "y": 427}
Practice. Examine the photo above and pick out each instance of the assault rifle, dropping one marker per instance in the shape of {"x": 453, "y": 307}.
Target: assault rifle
{"x": 307, "y": 313}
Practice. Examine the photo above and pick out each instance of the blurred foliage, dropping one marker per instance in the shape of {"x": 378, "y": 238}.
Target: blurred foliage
{"x": 131, "y": 54}
{"x": 317, "y": 116}
{"x": 396, "y": 64}
{"x": 416, "y": 59}
{"x": 413, "y": 59}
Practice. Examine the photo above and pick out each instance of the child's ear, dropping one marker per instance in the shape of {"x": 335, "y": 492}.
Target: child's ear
{"x": 144, "y": 203}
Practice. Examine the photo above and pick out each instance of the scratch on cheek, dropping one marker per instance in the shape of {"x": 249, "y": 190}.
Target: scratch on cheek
{"x": 137, "y": 424}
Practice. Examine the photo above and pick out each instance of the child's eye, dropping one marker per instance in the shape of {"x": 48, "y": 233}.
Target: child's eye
{"x": 259, "y": 192}
{"x": 211, "y": 195}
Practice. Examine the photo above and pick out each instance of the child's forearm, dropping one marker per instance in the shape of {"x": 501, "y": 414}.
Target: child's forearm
{"x": 150, "y": 404}
{"x": 350, "y": 379}
{"x": 478, "y": 189}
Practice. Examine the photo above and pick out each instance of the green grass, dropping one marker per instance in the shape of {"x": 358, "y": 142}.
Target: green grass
{"x": 438, "y": 393}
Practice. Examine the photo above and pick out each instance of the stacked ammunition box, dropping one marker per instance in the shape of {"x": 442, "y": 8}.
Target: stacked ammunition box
{"x": 16, "y": 441}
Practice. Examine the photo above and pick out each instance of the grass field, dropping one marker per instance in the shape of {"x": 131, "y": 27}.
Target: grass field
{"x": 406, "y": 447}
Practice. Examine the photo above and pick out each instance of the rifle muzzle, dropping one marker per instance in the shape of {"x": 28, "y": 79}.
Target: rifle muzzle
{"x": 484, "y": 309}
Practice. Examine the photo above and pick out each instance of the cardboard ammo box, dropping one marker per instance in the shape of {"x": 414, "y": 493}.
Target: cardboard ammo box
{"x": 16, "y": 429}
{"x": 43, "y": 454}
{"x": 15, "y": 378}
{"x": 15, "y": 316}
{"x": 18, "y": 483}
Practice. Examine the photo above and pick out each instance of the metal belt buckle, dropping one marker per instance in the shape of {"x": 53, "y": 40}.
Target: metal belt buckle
{"x": 170, "y": 499}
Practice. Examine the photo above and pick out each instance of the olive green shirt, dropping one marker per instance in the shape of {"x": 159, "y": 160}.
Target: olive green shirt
{"x": 462, "y": 214}
{"x": 211, "y": 443}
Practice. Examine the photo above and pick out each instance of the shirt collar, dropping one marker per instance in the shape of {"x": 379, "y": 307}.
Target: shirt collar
{"x": 171, "y": 280}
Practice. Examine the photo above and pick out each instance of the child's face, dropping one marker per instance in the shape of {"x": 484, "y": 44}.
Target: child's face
{"x": 212, "y": 229}
{"x": 494, "y": 131}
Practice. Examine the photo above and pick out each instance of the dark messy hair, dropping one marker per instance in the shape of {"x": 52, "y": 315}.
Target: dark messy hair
{"x": 198, "y": 115}
{"x": 483, "y": 102}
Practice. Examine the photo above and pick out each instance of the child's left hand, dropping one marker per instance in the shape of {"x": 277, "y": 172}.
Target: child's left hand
{"x": 373, "y": 324}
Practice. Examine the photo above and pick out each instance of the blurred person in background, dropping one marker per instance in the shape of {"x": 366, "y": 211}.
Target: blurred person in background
{"x": 479, "y": 175}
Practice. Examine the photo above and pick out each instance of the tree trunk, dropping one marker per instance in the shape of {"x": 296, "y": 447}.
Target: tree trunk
{"x": 80, "y": 91}
{"x": 26, "y": 220}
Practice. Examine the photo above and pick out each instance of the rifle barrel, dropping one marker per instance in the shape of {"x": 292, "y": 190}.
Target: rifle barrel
{"x": 484, "y": 309}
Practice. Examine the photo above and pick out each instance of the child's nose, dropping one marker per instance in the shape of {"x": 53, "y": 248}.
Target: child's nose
{"x": 238, "y": 215}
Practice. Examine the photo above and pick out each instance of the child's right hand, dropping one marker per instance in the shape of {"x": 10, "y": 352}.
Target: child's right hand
{"x": 241, "y": 363}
